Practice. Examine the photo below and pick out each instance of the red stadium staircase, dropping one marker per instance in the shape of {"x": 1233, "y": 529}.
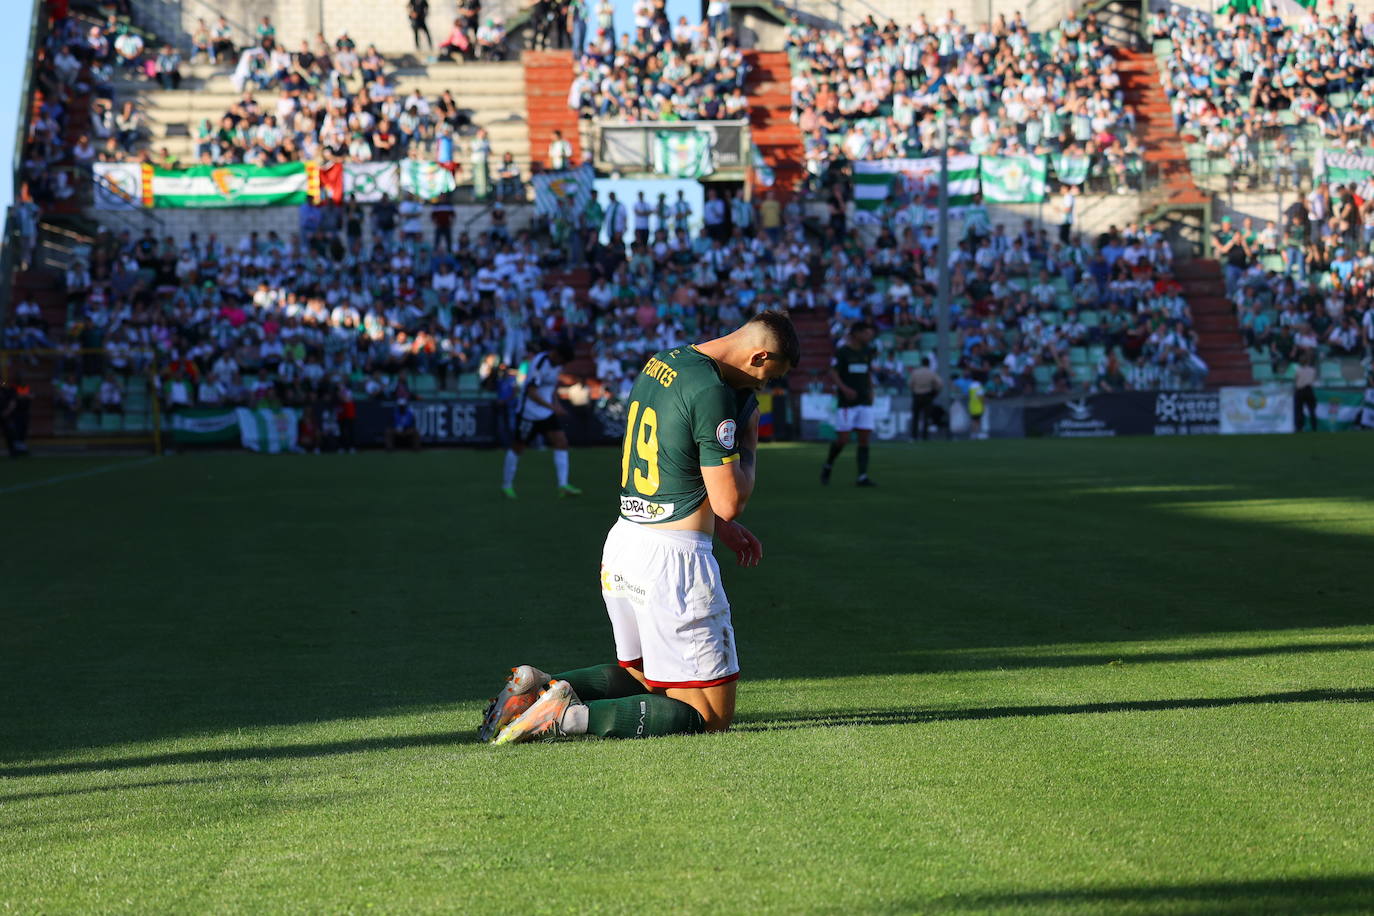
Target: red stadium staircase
{"x": 548, "y": 77}
{"x": 1172, "y": 196}
{"x": 1220, "y": 343}
{"x": 770, "y": 125}
{"x": 817, "y": 349}
{"x": 1165, "y": 156}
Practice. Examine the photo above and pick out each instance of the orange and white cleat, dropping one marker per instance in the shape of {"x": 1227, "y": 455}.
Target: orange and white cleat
{"x": 515, "y": 696}
{"x": 543, "y": 720}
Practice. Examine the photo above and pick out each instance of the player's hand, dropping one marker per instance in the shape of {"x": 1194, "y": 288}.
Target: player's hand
{"x": 748, "y": 550}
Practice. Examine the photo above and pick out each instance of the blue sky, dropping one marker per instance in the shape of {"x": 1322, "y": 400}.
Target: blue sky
{"x": 14, "y": 41}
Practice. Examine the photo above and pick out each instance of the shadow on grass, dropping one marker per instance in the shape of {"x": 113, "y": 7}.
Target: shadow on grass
{"x": 998, "y": 662}
{"x": 836, "y": 718}
{"x": 1335, "y": 894}
{"x": 178, "y": 608}
{"x": 235, "y": 754}
{"x": 121, "y": 787}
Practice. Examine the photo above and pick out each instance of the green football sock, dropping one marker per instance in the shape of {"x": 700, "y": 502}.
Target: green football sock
{"x": 601, "y": 682}
{"x": 647, "y": 716}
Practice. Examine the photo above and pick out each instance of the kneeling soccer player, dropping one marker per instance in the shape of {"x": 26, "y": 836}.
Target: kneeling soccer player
{"x": 686, "y": 472}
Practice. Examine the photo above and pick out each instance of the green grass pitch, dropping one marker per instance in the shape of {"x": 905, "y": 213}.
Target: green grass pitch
{"x": 1112, "y": 676}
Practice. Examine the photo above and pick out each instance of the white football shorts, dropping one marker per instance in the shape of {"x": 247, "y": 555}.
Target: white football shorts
{"x": 667, "y": 606}
{"x": 850, "y": 418}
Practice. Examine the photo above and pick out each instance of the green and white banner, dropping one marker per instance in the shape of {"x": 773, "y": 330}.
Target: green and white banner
{"x": 1343, "y": 168}
{"x": 573, "y": 186}
{"x": 1013, "y": 179}
{"x": 425, "y": 179}
{"x": 682, "y": 153}
{"x": 922, "y": 177}
{"x": 266, "y": 430}
{"x": 871, "y": 189}
{"x": 369, "y": 182}
{"x": 204, "y": 425}
{"x": 228, "y": 186}
{"x": 1071, "y": 169}
{"x": 1340, "y": 409}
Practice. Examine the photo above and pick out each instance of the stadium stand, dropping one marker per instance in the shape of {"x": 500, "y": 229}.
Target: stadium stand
{"x": 359, "y": 297}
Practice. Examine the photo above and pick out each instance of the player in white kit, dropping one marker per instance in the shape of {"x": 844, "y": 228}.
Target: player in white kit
{"x": 538, "y": 413}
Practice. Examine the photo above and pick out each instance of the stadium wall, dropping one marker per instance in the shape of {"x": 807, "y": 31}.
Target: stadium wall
{"x": 231, "y": 223}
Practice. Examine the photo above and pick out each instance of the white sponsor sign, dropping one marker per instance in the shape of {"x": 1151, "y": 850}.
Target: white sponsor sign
{"x": 1257, "y": 409}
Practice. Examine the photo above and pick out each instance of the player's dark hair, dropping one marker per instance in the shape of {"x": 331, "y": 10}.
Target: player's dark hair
{"x": 784, "y": 335}
{"x": 564, "y": 351}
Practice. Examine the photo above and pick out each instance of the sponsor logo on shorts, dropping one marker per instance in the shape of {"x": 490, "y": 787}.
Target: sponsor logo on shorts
{"x": 643, "y": 510}
{"x": 858, "y": 368}
{"x": 616, "y": 584}
{"x": 725, "y": 433}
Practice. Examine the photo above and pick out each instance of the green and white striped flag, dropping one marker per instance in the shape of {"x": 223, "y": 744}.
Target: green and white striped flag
{"x": 871, "y": 189}
{"x": 1013, "y": 179}
{"x": 1071, "y": 169}
{"x": 922, "y": 178}
{"x": 227, "y": 186}
{"x": 204, "y": 425}
{"x": 426, "y": 179}
{"x": 266, "y": 430}
{"x": 682, "y": 153}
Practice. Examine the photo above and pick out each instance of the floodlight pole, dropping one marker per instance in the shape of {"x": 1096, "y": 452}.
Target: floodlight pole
{"x": 942, "y": 297}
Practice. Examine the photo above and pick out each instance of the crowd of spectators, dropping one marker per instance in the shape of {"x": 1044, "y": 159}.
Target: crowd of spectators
{"x": 665, "y": 72}
{"x": 330, "y": 315}
{"x": 1304, "y": 289}
{"x": 1236, "y": 84}
{"x": 875, "y": 91}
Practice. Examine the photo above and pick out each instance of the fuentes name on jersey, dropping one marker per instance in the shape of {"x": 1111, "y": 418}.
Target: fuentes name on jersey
{"x": 682, "y": 417}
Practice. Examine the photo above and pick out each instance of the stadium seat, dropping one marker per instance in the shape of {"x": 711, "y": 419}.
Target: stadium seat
{"x": 1097, "y": 353}
{"x": 1331, "y": 371}
{"x": 423, "y": 384}
{"x": 1078, "y": 355}
{"x": 111, "y": 423}
{"x": 1263, "y": 372}
{"x": 1044, "y": 377}
{"x": 1090, "y": 318}
{"x": 87, "y": 422}
{"x": 136, "y": 423}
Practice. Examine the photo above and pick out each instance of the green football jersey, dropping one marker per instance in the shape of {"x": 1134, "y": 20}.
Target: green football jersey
{"x": 854, "y": 366}
{"x": 681, "y": 417}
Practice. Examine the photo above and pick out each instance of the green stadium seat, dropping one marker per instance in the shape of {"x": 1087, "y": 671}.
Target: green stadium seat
{"x": 1044, "y": 376}
{"x": 1263, "y": 372}
{"x": 87, "y": 422}
{"x": 1331, "y": 371}
{"x": 912, "y": 357}
{"x": 111, "y": 423}
{"x": 90, "y": 384}
{"x": 137, "y": 423}
{"x": 1078, "y": 355}
{"x": 929, "y": 341}
{"x": 1097, "y": 353}
{"x": 422, "y": 383}
{"x": 1338, "y": 100}
{"x": 1090, "y": 318}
